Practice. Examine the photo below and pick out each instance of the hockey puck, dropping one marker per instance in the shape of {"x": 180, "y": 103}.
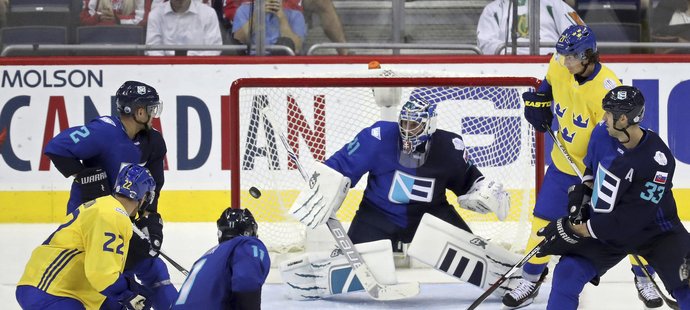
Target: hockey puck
{"x": 255, "y": 192}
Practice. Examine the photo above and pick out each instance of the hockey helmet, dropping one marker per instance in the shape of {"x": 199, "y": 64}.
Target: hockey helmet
{"x": 626, "y": 100}
{"x": 236, "y": 222}
{"x": 134, "y": 94}
{"x": 576, "y": 40}
{"x": 417, "y": 122}
{"x": 135, "y": 182}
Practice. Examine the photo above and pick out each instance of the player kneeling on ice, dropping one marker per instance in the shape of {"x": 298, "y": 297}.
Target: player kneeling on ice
{"x": 82, "y": 261}
{"x": 410, "y": 165}
{"x": 231, "y": 274}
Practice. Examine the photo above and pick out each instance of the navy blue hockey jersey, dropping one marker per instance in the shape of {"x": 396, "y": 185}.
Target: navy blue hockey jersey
{"x": 401, "y": 193}
{"x": 632, "y": 199}
{"x": 240, "y": 264}
{"x": 104, "y": 143}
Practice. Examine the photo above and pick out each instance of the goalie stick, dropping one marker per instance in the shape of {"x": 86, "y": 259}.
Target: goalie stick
{"x": 670, "y": 302}
{"x": 375, "y": 289}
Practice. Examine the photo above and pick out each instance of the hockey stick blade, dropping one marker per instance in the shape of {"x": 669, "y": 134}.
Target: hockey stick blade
{"x": 375, "y": 289}
{"x": 669, "y": 302}
{"x": 506, "y": 275}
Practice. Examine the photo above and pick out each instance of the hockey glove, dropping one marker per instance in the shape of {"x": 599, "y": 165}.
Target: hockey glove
{"x": 322, "y": 197}
{"x": 560, "y": 238}
{"x": 579, "y": 197}
{"x": 136, "y": 299}
{"x": 538, "y": 110}
{"x": 128, "y": 293}
{"x": 152, "y": 226}
{"x": 486, "y": 196}
{"x": 93, "y": 183}
{"x": 139, "y": 249}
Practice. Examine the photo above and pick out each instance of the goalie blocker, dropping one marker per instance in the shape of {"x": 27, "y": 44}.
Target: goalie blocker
{"x": 461, "y": 254}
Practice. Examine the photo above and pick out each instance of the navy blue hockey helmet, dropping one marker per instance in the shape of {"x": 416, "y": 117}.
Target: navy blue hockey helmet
{"x": 576, "y": 40}
{"x": 236, "y": 222}
{"x": 134, "y": 94}
{"x": 625, "y": 100}
{"x": 135, "y": 182}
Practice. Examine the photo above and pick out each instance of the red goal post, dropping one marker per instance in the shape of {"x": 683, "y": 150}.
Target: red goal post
{"x": 320, "y": 115}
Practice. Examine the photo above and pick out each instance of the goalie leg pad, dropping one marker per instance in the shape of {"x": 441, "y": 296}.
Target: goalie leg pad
{"x": 461, "y": 254}
{"x": 319, "y": 274}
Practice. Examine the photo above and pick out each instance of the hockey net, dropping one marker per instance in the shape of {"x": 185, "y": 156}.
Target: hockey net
{"x": 318, "y": 116}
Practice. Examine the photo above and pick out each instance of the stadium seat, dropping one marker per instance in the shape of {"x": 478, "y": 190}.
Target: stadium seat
{"x": 116, "y": 34}
{"x": 616, "y": 32}
{"x": 609, "y": 11}
{"x": 45, "y": 13}
{"x": 33, "y": 35}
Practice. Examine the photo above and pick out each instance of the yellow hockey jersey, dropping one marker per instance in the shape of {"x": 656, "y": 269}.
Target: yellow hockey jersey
{"x": 578, "y": 110}
{"x": 84, "y": 255}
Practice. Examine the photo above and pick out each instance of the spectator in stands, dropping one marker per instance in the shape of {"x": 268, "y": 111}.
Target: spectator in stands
{"x": 183, "y": 22}
{"x": 327, "y": 15}
{"x": 284, "y": 23}
{"x": 329, "y": 20}
{"x": 112, "y": 12}
{"x": 671, "y": 23}
{"x": 496, "y": 21}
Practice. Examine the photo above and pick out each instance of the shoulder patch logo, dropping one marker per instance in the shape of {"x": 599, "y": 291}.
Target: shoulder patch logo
{"x": 106, "y": 119}
{"x": 459, "y": 144}
{"x": 376, "y": 133}
{"x": 609, "y": 84}
{"x": 660, "y": 177}
{"x": 660, "y": 158}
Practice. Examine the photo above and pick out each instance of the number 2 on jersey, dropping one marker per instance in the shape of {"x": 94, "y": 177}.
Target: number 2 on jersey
{"x": 82, "y": 132}
{"x": 112, "y": 238}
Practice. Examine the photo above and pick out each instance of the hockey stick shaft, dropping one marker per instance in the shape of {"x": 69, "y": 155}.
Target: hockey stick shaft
{"x": 170, "y": 260}
{"x": 671, "y": 303}
{"x": 506, "y": 275}
{"x": 174, "y": 263}
{"x": 354, "y": 258}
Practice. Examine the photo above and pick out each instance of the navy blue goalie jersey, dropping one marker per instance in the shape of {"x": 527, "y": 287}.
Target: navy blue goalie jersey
{"x": 104, "y": 143}
{"x": 238, "y": 265}
{"x": 404, "y": 194}
{"x": 632, "y": 200}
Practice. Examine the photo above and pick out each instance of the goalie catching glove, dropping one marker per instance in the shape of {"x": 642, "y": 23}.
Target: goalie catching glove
{"x": 322, "y": 197}
{"x": 486, "y": 196}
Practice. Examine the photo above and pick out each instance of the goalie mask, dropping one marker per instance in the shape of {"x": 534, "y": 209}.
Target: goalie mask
{"x": 417, "y": 122}
{"x": 133, "y": 95}
{"x": 135, "y": 182}
{"x": 236, "y": 222}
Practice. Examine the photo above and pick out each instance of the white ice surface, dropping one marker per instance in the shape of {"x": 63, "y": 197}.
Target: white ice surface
{"x": 184, "y": 242}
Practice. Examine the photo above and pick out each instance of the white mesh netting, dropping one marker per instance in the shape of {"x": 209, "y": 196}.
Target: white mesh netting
{"x": 318, "y": 120}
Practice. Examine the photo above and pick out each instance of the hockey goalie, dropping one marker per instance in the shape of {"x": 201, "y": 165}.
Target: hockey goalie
{"x": 410, "y": 165}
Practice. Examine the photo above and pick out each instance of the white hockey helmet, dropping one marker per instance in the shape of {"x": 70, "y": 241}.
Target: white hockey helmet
{"x": 417, "y": 122}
